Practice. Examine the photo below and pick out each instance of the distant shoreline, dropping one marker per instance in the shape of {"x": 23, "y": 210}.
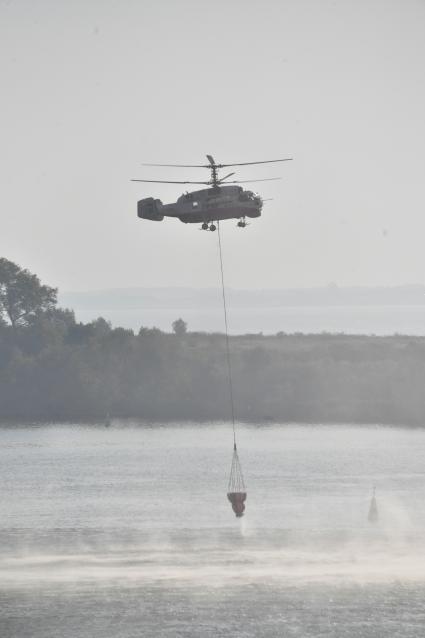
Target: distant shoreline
{"x": 361, "y": 320}
{"x": 132, "y": 422}
{"x": 158, "y": 377}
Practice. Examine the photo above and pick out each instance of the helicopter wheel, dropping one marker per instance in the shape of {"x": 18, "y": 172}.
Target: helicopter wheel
{"x": 212, "y": 227}
{"x": 204, "y": 226}
{"x": 241, "y": 223}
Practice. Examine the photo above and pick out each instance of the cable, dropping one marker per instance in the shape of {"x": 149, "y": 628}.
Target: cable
{"x": 229, "y": 366}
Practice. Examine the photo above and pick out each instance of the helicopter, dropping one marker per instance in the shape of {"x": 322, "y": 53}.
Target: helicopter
{"x": 222, "y": 199}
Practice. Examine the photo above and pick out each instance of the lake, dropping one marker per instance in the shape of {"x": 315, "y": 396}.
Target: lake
{"x": 379, "y": 320}
{"x": 126, "y": 532}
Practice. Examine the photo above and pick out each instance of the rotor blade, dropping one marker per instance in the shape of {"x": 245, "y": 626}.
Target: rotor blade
{"x": 180, "y": 165}
{"x": 286, "y": 159}
{"x": 247, "y": 181}
{"x": 161, "y": 181}
{"x": 223, "y": 178}
{"x": 211, "y": 160}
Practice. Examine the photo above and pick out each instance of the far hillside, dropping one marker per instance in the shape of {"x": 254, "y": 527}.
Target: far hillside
{"x": 53, "y": 367}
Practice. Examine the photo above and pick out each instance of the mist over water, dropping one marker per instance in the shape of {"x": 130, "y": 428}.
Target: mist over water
{"x": 126, "y": 531}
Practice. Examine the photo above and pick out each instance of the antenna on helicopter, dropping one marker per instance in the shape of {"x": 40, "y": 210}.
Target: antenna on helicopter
{"x": 214, "y": 181}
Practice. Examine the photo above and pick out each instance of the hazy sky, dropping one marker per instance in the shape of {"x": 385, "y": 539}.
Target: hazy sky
{"x": 91, "y": 89}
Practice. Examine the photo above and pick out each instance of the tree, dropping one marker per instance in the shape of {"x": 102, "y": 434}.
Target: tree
{"x": 22, "y": 296}
{"x": 179, "y": 327}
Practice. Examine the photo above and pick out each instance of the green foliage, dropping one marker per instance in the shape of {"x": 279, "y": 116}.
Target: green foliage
{"x": 56, "y": 368}
{"x": 22, "y": 296}
{"x": 179, "y": 327}
{"x": 52, "y": 367}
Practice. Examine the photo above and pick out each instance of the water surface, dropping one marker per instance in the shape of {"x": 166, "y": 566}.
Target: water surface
{"x": 378, "y": 320}
{"x": 126, "y": 531}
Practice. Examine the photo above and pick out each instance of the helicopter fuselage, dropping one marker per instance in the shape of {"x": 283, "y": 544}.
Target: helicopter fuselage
{"x": 204, "y": 206}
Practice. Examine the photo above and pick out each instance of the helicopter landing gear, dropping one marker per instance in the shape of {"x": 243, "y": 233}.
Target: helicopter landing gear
{"x": 242, "y": 223}
{"x": 206, "y": 226}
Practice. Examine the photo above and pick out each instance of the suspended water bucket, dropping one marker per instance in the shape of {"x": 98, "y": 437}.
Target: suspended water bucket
{"x": 236, "y": 491}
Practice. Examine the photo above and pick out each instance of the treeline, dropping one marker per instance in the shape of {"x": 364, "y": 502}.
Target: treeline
{"x": 54, "y": 368}
{"x": 60, "y": 369}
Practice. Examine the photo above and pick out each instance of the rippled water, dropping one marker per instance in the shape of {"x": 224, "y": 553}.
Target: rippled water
{"x": 126, "y": 531}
